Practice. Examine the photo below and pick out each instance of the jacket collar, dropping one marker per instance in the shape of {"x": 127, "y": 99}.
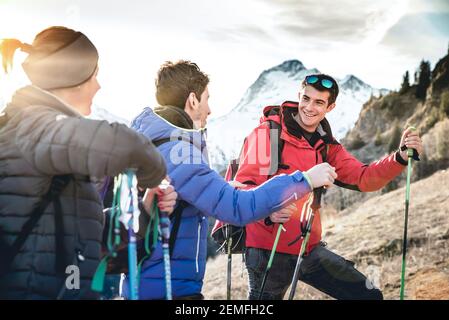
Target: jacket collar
{"x": 176, "y": 116}
{"x": 33, "y": 96}
{"x": 157, "y": 127}
{"x": 292, "y": 131}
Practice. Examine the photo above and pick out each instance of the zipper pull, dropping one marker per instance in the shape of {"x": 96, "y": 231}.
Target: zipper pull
{"x": 79, "y": 256}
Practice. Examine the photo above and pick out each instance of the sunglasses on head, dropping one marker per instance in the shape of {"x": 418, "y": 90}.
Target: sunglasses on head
{"x": 326, "y": 83}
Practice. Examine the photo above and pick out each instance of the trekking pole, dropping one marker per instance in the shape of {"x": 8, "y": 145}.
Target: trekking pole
{"x": 315, "y": 206}
{"x": 131, "y": 222}
{"x": 165, "y": 231}
{"x": 407, "y": 202}
{"x": 270, "y": 261}
{"x": 229, "y": 248}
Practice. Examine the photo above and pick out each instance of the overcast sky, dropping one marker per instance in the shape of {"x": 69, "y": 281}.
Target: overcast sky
{"x": 235, "y": 40}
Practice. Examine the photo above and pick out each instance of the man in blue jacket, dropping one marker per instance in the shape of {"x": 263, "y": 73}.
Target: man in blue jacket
{"x": 177, "y": 127}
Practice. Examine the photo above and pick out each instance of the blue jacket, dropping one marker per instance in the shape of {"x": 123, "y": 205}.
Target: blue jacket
{"x": 207, "y": 194}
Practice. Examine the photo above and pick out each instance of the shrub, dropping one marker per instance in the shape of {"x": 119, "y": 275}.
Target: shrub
{"x": 356, "y": 143}
{"x": 395, "y": 138}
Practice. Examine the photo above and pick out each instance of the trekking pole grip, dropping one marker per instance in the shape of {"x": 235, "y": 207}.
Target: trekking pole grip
{"x": 317, "y": 193}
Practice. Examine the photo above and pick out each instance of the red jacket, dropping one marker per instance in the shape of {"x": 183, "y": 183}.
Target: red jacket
{"x": 298, "y": 154}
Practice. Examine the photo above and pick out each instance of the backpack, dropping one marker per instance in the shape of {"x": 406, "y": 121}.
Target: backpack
{"x": 9, "y": 252}
{"x": 225, "y": 234}
{"x": 146, "y": 246}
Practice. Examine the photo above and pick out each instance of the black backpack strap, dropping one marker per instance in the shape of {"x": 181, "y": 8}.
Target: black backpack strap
{"x": 324, "y": 151}
{"x": 59, "y": 236}
{"x": 175, "y": 217}
{"x": 157, "y": 143}
{"x": 234, "y": 164}
{"x": 58, "y": 183}
{"x": 276, "y": 148}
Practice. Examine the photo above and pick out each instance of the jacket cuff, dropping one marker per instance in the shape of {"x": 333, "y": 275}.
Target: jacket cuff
{"x": 398, "y": 158}
{"x": 268, "y": 221}
{"x": 306, "y": 176}
{"x": 415, "y": 153}
{"x": 298, "y": 176}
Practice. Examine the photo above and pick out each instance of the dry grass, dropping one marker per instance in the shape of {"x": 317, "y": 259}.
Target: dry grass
{"x": 370, "y": 234}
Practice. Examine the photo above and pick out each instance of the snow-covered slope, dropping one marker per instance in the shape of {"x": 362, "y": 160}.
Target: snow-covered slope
{"x": 278, "y": 84}
{"x": 100, "y": 113}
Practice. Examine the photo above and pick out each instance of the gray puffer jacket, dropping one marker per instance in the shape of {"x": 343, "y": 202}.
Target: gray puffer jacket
{"x": 43, "y": 137}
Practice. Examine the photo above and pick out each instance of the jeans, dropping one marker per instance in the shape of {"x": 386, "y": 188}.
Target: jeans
{"x": 321, "y": 269}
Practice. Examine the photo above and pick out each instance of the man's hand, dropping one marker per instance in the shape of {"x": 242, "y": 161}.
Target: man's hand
{"x": 283, "y": 215}
{"x": 322, "y": 174}
{"x": 410, "y": 138}
{"x": 166, "y": 198}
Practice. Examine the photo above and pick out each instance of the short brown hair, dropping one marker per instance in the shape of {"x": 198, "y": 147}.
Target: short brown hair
{"x": 333, "y": 91}
{"x": 175, "y": 81}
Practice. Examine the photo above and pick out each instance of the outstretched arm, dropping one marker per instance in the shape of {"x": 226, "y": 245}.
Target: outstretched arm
{"x": 56, "y": 144}
{"x": 353, "y": 174}
{"x": 205, "y": 189}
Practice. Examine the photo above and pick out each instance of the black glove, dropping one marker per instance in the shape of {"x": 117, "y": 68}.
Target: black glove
{"x": 415, "y": 153}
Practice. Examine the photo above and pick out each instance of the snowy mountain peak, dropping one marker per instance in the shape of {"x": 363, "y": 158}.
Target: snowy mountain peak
{"x": 273, "y": 81}
{"x": 351, "y": 82}
{"x": 289, "y": 66}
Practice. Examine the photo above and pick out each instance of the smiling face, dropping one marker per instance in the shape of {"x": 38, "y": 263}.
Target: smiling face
{"x": 313, "y": 107}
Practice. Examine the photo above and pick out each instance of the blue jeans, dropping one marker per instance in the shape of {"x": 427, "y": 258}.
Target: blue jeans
{"x": 321, "y": 269}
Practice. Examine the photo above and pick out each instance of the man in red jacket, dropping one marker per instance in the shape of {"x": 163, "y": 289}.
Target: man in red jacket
{"x": 307, "y": 139}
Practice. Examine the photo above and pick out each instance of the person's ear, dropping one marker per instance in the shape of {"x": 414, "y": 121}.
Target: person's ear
{"x": 193, "y": 100}
{"x": 330, "y": 107}
{"x": 190, "y": 101}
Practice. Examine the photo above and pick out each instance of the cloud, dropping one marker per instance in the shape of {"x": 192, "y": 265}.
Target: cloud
{"x": 426, "y": 6}
{"x": 422, "y": 36}
{"x": 340, "y": 21}
{"x": 238, "y": 33}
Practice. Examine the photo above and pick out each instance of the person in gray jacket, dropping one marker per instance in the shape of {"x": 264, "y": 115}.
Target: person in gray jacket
{"x": 43, "y": 133}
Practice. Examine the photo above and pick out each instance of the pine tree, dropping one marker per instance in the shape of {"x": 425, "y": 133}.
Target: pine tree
{"x": 424, "y": 75}
{"x": 405, "y": 83}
